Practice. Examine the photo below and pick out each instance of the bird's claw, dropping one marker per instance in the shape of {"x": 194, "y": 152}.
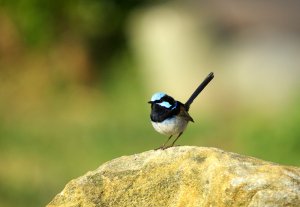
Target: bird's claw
{"x": 163, "y": 147}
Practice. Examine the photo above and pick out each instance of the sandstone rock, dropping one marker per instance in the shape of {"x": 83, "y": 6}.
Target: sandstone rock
{"x": 187, "y": 177}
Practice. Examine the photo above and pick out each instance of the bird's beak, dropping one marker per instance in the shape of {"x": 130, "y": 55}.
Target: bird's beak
{"x": 150, "y": 102}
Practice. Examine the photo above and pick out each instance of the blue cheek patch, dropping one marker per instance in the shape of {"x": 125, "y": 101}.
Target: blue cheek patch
{"x": 165, "y": 104}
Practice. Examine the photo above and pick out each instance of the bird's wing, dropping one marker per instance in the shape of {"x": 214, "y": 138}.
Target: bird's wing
{"x": 183, "y": 113}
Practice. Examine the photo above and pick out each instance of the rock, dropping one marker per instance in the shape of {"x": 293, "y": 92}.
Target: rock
{"x": 187, "y": 177}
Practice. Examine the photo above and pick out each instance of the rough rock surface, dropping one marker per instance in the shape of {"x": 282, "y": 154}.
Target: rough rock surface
{"x": 184, "y": 176}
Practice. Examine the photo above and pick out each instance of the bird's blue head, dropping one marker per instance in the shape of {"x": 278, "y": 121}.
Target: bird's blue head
{"x": 163, "y": 107}
{"x": 157, "y": 96}
{"x": 163, "y": 100}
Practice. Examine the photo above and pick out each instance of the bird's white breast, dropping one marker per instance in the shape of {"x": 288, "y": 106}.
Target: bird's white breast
{"x": 171, "y": 126}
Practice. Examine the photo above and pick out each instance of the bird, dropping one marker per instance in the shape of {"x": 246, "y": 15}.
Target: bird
{"x": 169, "y": 116}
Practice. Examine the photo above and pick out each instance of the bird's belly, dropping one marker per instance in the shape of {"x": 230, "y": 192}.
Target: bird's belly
{"x": 171, "y": 126}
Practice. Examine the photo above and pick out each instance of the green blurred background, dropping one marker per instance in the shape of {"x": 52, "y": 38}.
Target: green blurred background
{"x": 75, "y": 78}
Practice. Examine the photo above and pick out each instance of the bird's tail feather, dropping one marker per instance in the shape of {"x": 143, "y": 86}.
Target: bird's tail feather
{"x": 198, "y": 90}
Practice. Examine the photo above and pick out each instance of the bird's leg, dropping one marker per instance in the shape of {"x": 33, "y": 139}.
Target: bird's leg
{"x": 163, "y": 146}
{"x": 175, "y": 140}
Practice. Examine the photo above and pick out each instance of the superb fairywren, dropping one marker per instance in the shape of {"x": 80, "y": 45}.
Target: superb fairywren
{"x": 170, "y": 117}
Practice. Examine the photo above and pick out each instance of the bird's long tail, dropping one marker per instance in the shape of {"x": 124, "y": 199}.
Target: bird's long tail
{"x": 198, "y": 90}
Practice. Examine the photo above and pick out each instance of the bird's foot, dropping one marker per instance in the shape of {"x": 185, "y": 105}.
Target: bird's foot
{"x": 166, "y": 147}
{"x": 163, "y": 147}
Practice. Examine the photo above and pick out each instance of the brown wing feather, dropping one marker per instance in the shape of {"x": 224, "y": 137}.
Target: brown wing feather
{"x": 183, "y": 113}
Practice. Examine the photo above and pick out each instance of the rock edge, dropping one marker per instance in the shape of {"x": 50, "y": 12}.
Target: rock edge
{"x": 184, "y": 176}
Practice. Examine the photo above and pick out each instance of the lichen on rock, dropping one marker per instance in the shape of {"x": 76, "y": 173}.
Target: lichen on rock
{"x": 184, "y": 177}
